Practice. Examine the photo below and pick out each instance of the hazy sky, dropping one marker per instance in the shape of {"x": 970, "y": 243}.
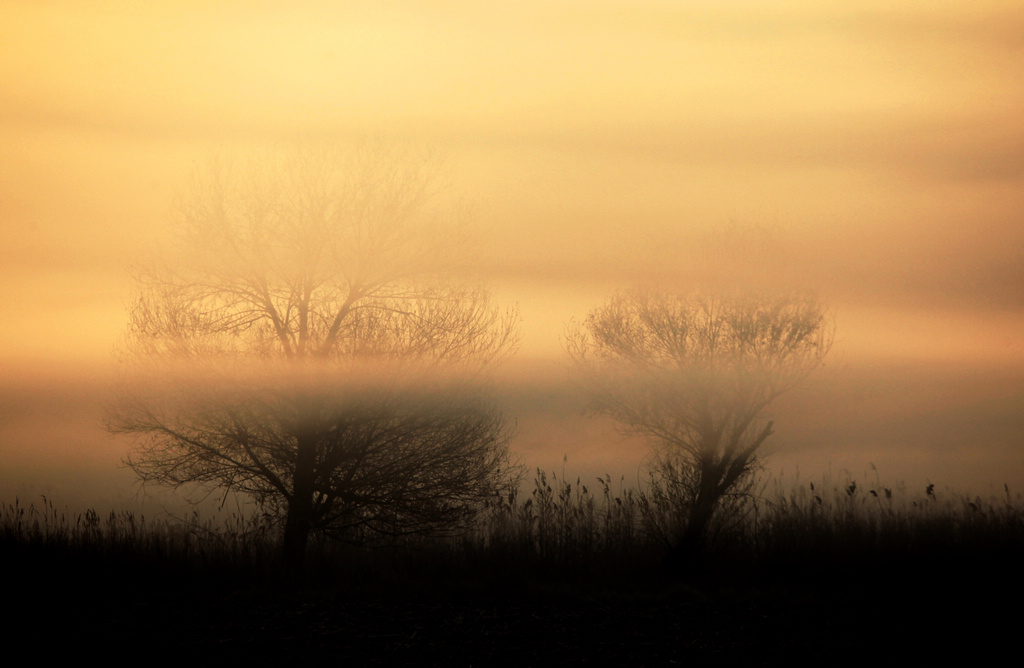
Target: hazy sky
{"x": 873, "y": 152}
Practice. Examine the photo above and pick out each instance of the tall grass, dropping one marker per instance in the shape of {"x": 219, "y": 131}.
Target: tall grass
{"x": 877, "y": 529}
{"x": 114, "y": 549}
{"x": 562, "y": 530}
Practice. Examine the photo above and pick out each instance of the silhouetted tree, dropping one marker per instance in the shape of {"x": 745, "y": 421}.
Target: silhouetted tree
{"x": 311, "y": 298}
{"x": 695, "y": 374}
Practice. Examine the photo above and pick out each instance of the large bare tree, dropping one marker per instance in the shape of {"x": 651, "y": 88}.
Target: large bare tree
{"x": 695, "y": 375}
{"x": 306, "y": 309}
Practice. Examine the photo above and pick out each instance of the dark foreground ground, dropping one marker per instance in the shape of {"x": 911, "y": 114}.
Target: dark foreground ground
{"x": 911, "y": 618}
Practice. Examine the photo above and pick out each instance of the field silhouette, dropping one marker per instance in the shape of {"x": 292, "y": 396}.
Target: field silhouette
{"x": 561, "y": 573}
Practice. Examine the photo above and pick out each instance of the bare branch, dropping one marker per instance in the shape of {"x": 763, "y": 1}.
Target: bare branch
{"x": 329, "y": 262}
{"x": 695, "y": 374}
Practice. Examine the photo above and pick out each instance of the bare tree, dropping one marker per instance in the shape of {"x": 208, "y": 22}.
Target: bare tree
{"x": 695, "y": 375}
{"x": 311, "y": 294}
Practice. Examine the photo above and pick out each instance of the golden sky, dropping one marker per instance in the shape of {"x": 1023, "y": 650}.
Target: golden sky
{"x": 875, "y": 149}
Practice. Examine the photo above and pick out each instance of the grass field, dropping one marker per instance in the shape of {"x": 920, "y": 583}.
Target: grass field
{"x": 561, "y": 573}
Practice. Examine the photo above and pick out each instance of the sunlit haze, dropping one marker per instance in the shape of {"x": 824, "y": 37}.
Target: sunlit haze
{"x": 871, "y": 153}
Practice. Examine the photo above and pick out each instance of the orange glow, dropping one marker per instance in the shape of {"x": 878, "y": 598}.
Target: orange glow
{"x": 872, "y": 153}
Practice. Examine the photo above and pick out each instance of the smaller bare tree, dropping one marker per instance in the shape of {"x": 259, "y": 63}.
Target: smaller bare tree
{"x": 695, "y": 375}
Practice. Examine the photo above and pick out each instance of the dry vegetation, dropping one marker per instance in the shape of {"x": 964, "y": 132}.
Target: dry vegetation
{"x": 566, "y": 530}
{"x": 563, "y": 572}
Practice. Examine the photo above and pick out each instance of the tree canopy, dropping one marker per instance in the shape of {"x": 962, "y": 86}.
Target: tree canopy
{"x": 317, "y": 253}
{"x": 311, "y": 291}
{"x": 694, "y": 374}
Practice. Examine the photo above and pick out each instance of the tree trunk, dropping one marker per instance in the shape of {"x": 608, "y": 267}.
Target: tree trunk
{"x": 299, "y": 521}
{"x": 689, "y": 549}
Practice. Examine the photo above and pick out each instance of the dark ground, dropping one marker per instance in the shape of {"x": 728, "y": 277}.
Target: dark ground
{"x": 837, "y": 620}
